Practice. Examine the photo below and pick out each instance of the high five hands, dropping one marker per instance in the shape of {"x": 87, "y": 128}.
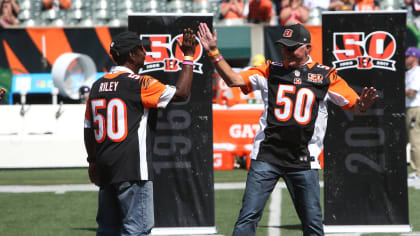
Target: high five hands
{"x": 208, "y": 40}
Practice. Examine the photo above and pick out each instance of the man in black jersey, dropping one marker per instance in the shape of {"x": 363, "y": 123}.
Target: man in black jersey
{"x": 292, "y": 128}
{"x": 117, "y": 134}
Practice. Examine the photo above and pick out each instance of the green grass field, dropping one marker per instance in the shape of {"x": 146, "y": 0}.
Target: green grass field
{"x": 73, "y": 213}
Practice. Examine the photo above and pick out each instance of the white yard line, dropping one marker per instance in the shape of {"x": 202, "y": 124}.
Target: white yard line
{"x": 48, "y": 188}
{"x": 274, "y": 219}
{"x": 90, "y": 187}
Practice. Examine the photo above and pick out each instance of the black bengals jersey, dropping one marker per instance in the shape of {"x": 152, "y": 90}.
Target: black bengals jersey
{"x": 117, "y": 109}
{"x": 292, "y": 99}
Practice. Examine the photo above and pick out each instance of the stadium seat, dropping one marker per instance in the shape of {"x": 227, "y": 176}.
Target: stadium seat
{"x": 75, "y": 16}
{"x": 390, "y": 5}
{"x": 86, "y": 22}
{"x": 154, "y": 6}
{"x": 101, "y": 16}
{"x": 176, "y": 6}
{"x": 101, "y": 4}
{"x": 315, "y": 17}
{"x": 24, "y": 15}
{"x": 30, "y": 5}
{"x": 77, "y": 4}
{"x": 202, "y": 7}
{"x": 50, "y": 17}
{"x": 125, "y": 4}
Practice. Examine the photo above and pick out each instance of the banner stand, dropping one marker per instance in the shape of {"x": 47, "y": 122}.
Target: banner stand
{"x": 367, "y": 228}
{"x": 365, "y": 154}
{"x": 182, "y": 151}
{"x": 184, "y": 230}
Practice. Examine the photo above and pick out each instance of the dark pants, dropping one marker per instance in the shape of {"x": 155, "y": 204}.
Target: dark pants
{"x": 125, "y": 209}
{"x": 303, "y": 187}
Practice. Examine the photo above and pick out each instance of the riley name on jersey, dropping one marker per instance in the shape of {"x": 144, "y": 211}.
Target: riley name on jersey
{"x": 108, "y": 86}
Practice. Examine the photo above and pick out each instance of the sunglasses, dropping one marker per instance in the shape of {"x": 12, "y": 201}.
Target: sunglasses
{"x": 292, "y": 49}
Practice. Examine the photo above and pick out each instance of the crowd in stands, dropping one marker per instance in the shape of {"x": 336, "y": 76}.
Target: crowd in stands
{"x": 285, "y": 12}
{"x": 102, "y": 12}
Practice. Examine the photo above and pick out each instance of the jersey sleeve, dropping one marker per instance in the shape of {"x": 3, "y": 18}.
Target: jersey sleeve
{"x": 152, "y": 91}
{"x": 88, "y": 120}
{"x": 340, "y": 93}
{"x": 255, "y": 77}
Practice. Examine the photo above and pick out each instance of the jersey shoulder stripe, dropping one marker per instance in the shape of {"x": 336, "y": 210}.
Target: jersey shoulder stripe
{"x": 151, "y": 90}
{"x": 114, "y": 75}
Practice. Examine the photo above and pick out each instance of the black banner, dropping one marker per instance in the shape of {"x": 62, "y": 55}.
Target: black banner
{"x": 183, "y": 145}
{"x": 365, "y": 155}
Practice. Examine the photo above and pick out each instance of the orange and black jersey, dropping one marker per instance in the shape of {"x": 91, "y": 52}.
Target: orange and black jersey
{"x": 117, "y": 109}
{"x": 293, "y": 99}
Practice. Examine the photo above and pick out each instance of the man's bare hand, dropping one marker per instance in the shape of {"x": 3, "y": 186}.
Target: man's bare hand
{"x": 366, "y": 99}
{"x": 208, "y": 40}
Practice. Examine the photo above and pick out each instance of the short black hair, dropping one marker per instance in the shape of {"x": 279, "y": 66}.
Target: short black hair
{"x": 123, "y": 58}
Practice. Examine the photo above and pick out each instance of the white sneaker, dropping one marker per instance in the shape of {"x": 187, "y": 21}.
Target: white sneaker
{"x": 413, "y": 176}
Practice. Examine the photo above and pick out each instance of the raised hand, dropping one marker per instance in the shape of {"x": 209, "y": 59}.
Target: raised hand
{"x": 208, "y": 40}
{"x": 367, "y": 99}
{"x": 189, "y": 42}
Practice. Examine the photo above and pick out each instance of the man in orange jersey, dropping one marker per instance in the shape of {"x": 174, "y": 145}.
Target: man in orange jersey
{"x": 117, "y": 134}
{"x": 295, "y": 94}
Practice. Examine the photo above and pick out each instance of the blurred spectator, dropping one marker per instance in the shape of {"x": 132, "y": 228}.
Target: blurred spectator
{"x": 279, "y": 5}
{"x": 341, "y": 5}
{"x": 294, "y": 13}
{"x": 232, "y": 9}
{"x": 322, "y": 4}
{"x": 7, "y": 17}
{"x": 412, "y": 104}
{"x": 261, "y": 11}
{"x": 56, "y": 4}
{"x": 2, "y": 92}
{"x": 15, "y": 6}
{"x": 258, "y": 60}
{"x": 366, "y": 5}
{"x": 413, "y": 7}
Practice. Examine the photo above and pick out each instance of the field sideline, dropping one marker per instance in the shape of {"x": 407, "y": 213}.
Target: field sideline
{"x": 34, "y": 199}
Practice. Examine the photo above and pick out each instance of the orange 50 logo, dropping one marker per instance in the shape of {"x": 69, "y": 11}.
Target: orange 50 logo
{"x": 354, "y": 50}
{"x": 165, "y": 54}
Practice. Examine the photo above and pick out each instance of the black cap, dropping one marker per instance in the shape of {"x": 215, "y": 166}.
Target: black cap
{"x": 293, "y": 35}
{"x": 125, "y": 42}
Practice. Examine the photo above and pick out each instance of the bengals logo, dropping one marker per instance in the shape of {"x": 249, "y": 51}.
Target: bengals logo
{"x": 287, "y": 33}
{"x": 354, "y": 50}
{"x": 315, "y": 78}
{"x": 165, "y": 54}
